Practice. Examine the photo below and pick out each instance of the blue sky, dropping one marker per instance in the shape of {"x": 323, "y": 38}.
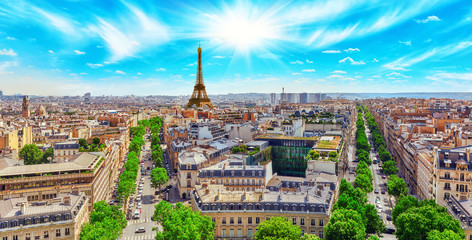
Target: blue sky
{"x": 150, "y": 47}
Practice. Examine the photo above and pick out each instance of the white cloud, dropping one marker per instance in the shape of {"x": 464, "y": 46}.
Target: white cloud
{"x": 348, "y": 59}
{"x": 349, "y": 50}
{"x": 51, "y": 51}
{"x": 445, "y": 76}
{"x": 5, "y": 65}
{"x": 407, "y": 43}
{"x": 331, "y": 51}
{"x": 133, "y": 34}
{"x": 176, "y": 76}
{"x": 8, "y": 52}
{"x": 335, "y": 76}
{"x": 120, "y": 72}
{"x": 375, "y": 60}
{"x": 10, "y": 38}
{"x": 296, "y": 62}
{"x": 185, "y": 69}
{"x": 94, "y": 65}
{"x": 308, "y": 61}
{"x": 79, "y": 52}
{"x": 83, "y": 73}
{"x": 60, "y": 23}
{"x": 308, "y": 70}
{"x": 161, "y": 69}
{"x": 139, "y": 73}
{"x": 219, "y": 57}
{"x": 192, "y": 75}
{"x": 192, "y": 64}
{"x": 339, "y": 71}
{"x": 296, "y": 73}
{"x": 107, "y": 62}
{"x": 428, "y": 19}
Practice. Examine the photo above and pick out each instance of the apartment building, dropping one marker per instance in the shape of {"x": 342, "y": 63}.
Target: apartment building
{"x": 238, "y": 213}
{"x": 86, "y": 172}
{"x": 65, "y": 150}
{"x": 58, "y": 218}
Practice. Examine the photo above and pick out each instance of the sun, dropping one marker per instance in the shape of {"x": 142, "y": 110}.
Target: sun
{"x": 244, "y": 27}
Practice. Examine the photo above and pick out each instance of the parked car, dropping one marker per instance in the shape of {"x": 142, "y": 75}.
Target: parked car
{"x": 389, "y": 217}
{"x": 389, "y": 230}
{"x": 376, "y": 191}
{"x": 383, "y": 191}
{"x": 383, "y": 176}
{"x": 140, "y": 230}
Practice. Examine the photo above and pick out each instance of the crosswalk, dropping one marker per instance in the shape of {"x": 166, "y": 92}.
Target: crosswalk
{"x": 139, "y": 236}
{"x": 136, "y": 221}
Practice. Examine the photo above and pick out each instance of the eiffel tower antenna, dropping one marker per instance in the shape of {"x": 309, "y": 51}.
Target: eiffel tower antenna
{"x": 199, "y": 96}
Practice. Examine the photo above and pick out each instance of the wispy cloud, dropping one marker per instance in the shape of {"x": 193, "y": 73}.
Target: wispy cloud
{"x": 296, "y": 73}
{"x": 407, "y": 43}
{"x": 219, "y": 56}
{"x": 8, "y": 52}
{"x": 339, "y": 71}
{"x": 161, "y": 69}
{"x": 120, "y": 72}
{"x": 349, "y": 59}
{"x": 10, "y": 38}
{"x": 308, "y": 61}
{"x": 79, "y": 52}
{"x": 331, "y": 51}
{"x": 296, "y": 62}
{"x": 308, "y": 70}
{"x": 428, "y": 19}
{"x": 350, "y": 50}
{"x": 59, "y": 22}
{"x": 94, "y": 65}
{"x": 51, "y": 51}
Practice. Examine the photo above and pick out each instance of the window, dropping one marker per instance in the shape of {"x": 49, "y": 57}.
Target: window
{"x": 58, "y": 232}
{"x": 462, "y": 177}
{"x": 15, "y": 237}
{"x": 258, "y": 219}
{"x": 321, "y": 223}
{"x": 321, "y": 234}
{"x": 67, "y": 231}
{"x": 5, "y": 238}
{"x": 249, "y": 233}
{"x": 189, "y": 175}
{"x": 231, "y": 233}
{"x": 302, "y": 221}
{"x": 240, "y": 232}
{"x": 223, "y": 232}
{"x": 313, "y": 221}
{"x": 231, "y": 220}
{"x": 213, "y": 219}
{"x": 447, "y": 175}
{"x": 28, "y": 236}
{"x": 249, "y": 220}
{"x": 223, "y": 221}
{"x": 294, "y": 220}
{"x": 313, "y": 232}
{"x": 189, "y": 183}
{"x": 46, "y": 234}
{"x": 447, "y": 186}
{"x": 240, "y": 220}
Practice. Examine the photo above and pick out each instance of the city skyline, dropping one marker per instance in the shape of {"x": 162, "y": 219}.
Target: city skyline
{"x": 146, "y": 48}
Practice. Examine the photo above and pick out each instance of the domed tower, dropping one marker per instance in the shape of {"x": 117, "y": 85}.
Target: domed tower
{"x": 199, "y": 97}
{"x": 25, "y": 112}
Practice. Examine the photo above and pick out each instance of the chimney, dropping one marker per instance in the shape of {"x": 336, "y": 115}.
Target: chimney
{"x": 66, "y": 200}
{"x": 307, "y": 196}
{"x": 219, "y": 194}
{"x": 23, "y": 207}
{"x": 467, "y": 152}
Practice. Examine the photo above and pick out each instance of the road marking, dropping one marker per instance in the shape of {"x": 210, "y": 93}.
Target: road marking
{"x": 140, "y": 237}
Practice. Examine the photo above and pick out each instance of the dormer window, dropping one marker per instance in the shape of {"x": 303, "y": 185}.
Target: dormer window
{"x": 232, "y": 173}
{"x": 253, "y": 173}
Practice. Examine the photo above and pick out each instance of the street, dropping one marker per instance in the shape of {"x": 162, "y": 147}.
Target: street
{"x": 147, "y": 202}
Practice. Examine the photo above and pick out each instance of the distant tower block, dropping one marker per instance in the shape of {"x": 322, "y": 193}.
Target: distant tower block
{"x": 199, "y": 96}
{"x": 25, "y": 112}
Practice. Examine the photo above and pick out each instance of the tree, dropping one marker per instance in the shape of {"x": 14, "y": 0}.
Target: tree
{"x": 403, "y": 204}
{"x": 446, "y": 234}
{"x": 310, "y": 237}
{"x": 373, "y": 224}
{"x": 390, "y": 168}
{"x": 48, "y": 154}
{"x": 277, "y": 228}
{"x": 363, "y": 182}
{"x": 364, "y": 170}
{"x": 155, "y": 140}
{"x": 345, "y": 225}
{"x": 106, "y": 222}
{"x": 356, "y": 194}
{"x": 364, "y": 157}
{"x": 96, "y": 141}
{"x": 396, "y": 186}
{"x": 373, "y": 237}
{"x": 31, "y": 154}
{"x": 159, "y": 177}
{"x": 83, "y": 143}
{"x": 332, "y": 154}
{"x": 181, "y": 223}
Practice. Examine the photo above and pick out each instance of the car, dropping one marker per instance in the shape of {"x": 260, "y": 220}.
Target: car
{"x": 383, "y": 191}
{"x": 111, "y": 202}
{"x": 142, "y": 179}
{"x": 379, "y": 211}
{"x": 156, "y": 193}
{"x": 383, "y": 176}
{"x": 376, "y": 191}
{"x": 139, "y": 206}
{"x": 140, "y": 230}
{"x": 148, "y": 168}
{"x": 389, "y": 217}
{"x": 389, "y": 230}
{"x": 140, "y": 191}
{"x": 352, "y": 172}
{"x": 380, "y": 217}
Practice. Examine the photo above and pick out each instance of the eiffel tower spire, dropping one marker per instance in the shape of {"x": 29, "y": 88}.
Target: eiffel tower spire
{"x": 199, "y": 96}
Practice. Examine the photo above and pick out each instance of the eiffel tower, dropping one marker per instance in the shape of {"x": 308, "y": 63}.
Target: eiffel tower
{"x": 199, "y": 96}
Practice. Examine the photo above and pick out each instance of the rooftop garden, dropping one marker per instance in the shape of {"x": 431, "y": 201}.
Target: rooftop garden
{"x": 323, "y": 156}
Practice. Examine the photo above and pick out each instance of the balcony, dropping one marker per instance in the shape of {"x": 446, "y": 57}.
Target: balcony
{"x": 45, "y": 178}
